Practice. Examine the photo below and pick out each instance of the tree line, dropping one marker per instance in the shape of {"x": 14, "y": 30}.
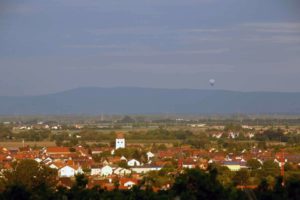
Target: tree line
{"x": 31, "y": 180}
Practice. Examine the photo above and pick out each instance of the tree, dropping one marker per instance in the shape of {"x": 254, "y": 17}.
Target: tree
{"x": 78, "y": 190}
{"x": 241, "y": 177}
{"x": 293, "y": 188}
{"x": 28, "y": 176}
{"x": 271, "y": 168}
{"x": 263, "y": 191}
{"x": 31, "y": 174}
{"x": 127, "y": 119}
{"x": 58, "y": 142}
{"x": 162, "y": 147}
{"x": 196, "y": 184}
{"x": 254, "y": 164}
{"x": 233, "y": 127}
{"x": 224, "y": 175}
{"x": 5, "y": 132}
{"x": 81, "y": 181}
{"x": 123, "y": 164}
{"x": 279, "y": 192}
{"x": 16, "y": 192}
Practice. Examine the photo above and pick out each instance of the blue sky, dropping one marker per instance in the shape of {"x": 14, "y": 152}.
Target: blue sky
{"x": 54, "y": 45}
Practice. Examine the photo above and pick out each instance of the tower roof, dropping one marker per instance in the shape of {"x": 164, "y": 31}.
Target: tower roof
{"x": 120, "y": 135}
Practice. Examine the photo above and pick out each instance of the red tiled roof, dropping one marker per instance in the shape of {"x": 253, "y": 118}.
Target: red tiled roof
{"x": 246, "y": 186}
{"x": 188, "y": 161}
{"x": 56, "y": 150}
{"x": 65, "y": 182}
{"x": 166, "y": 154}
{"x": 120, "y": 136}
{"x": 123, "y": 181}
{"x": 92, "y": 183}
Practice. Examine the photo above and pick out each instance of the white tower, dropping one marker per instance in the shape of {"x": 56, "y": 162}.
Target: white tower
{"x": 120, "y": 141}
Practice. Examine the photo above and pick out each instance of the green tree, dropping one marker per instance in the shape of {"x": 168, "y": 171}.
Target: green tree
{"x": 81, "y": 181}
{"x": 196, "y": 184}
{"x": 293, "y": 188}
{"x": 279, "y": 192}
{"x": 254, "y": 164}
{"x": 16, "y": 192}
{"x": 271, "y": 168}
{"x": 224, "y": 175}
{"x": 241, "y": 177}
{"x": 31, "y": 174}
{"x": 28, "y": 176}
{"x": 263, "y": 191}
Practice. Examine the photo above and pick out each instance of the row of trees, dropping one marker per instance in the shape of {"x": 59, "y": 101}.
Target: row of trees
{"x": 89, "y": 134}
{"x": 30, "y": 180}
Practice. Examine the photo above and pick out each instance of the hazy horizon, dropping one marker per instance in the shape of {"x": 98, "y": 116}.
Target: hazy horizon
{"x": 58, "y": 45}
{"x": 154, "y": 88}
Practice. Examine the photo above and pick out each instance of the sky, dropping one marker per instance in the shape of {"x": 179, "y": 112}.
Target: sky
{"x": 47, "y": 46}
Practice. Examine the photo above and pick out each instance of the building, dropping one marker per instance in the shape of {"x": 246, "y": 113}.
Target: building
{"x": 145, "y": 169}
{"x": 133, "y": 162}
{"x": 234, "y": 165}
{"x": 69, "y": 171}
{"x": 106, "y": 171}
{"x": 120, "y": 141}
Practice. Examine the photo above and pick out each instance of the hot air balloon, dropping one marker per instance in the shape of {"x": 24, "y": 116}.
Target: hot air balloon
{"x": 212, "y": 82}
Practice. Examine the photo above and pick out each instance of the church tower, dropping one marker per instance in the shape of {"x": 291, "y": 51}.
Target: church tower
{"x": 120, "y": 141}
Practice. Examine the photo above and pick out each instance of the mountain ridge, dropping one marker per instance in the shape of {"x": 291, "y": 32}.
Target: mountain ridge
{"x": 138, "y": 100}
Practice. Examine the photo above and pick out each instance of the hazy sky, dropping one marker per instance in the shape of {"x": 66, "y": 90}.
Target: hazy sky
{"x": 54, "y": 45}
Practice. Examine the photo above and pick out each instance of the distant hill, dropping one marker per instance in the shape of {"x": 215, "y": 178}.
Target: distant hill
{"x": 130, "y": 100}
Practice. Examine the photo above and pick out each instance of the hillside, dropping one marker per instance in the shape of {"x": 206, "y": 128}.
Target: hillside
{"x": 127, "y": 100}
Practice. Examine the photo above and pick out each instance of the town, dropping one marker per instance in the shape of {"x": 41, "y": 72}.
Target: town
{"x": 121, "y": 158}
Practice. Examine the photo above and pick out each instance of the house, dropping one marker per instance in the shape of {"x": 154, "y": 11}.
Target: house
{"x": 234, "y": 165}
{"x": 217, "y": 135}
{"x": 145, "y": 169}
{"x": 39, "y": 160}
{"x": 127, "y": 183}
{"x": 188, "y": 163}
{"x": 65, "y": 182}
{"x": 233, "y": 135}
{"x": 56, "y": 165}
{"x": 97, "y": 150}
{"x": 82, "y": 151}
{"x": 150, "y": 155}
{"x": 166, "y": 154}
{"x": 95, "y": 170}
{"x": 113, "y": 159}
{"x": 106, "y": 170}
{"x": 25, "y": 149}
{"x": 58, "y": 150}
{"x": 123, "y": 158}
{"x": 24, "y": 155}
{"x": 122, "y": 171}
{"x": 97, "y": 182}
{"x": 203, "y": 163}
{"x": 47, "y": 160}
{"x": 69, "y": 171}
{"x": 120, "y": 141}
{"x": 133, "y": 162}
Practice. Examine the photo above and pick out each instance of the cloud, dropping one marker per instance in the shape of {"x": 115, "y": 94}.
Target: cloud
{"x": 19, "y": 8}
{"x": 276, "y": 33}
{"x": 207, "y": 30}
{"x": 202, "y": 51}
{"x": 131, "y": 2}
{"x": 285, "y": 39}
{"x": 172, "y": 68}
{"x": 131, "y": 30}
{"x": 142, "y": 50}
{"x": 279, "y": 27}
{"x": 93, "y": 46}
